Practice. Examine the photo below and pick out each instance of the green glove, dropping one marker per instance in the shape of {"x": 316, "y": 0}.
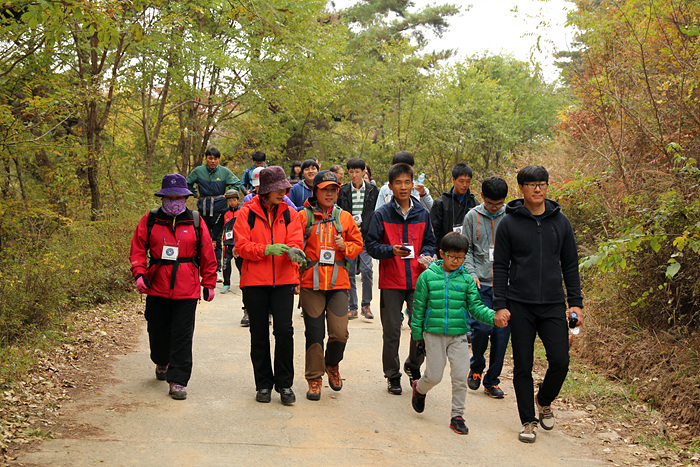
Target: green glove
{"x": 277, "y": 249}
{"x": 297, "y": 256}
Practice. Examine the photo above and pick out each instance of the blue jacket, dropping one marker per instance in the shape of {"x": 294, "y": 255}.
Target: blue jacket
{"x": 533, "y": 257}
{"x": 388, "y": 228}
{"x": 299, "y": 194}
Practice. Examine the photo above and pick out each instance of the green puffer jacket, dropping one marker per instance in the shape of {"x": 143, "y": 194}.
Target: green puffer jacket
{"x": 441, "y": 305}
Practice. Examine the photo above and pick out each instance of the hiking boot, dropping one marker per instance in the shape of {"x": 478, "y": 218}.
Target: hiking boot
{"x": 287, "y": 396}
{"x": 334, "y": 380}
{"x": 413, "y": 374}
{"x": 474, "y": 380}
{"x": 161, "y": 371}
{"x": 528, "y": 435}
{"x": 178, "y": 391}
{"x": 263, "y": 395}
{"x": 494, "y": 392}
{"x": 314, "y": 392}
{"x": 367, "y": 313}
{"x": 245, "y": 321}
{"x": 352, "y": 314}
{"x": 418, "y": 399}
{"x": 394, "y": 386}
{"x": 225, "y": 289}
{"x": 546, "y": 416}
{"x": 458, "y": 426}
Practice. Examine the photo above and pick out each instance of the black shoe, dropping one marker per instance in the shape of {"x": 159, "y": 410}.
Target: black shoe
{"x": 474, "y": 380}
{"x": 245, "y": 321}
{"x": 494, "y": 391}
{"x": 418, "y": 399}
{"x": 413, "y": 375}
{"x": 287, "y": 396}
{"x": 395, "y": 386}
{"x": 458, "y": 426}
{"x": 263, "y": 395}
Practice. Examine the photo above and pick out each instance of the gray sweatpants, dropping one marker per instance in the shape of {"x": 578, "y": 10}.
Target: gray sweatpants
{"x": 439, "y": 348}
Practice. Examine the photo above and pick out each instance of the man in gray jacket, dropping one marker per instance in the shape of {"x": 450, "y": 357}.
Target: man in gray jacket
{"x": 479, "y": 227}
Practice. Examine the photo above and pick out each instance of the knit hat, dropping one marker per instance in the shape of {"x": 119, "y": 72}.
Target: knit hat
{"x": 174, "y": 185}
{"x": 273, "y": 178}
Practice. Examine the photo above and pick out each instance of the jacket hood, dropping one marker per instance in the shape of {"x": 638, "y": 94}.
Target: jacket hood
{"x": 517, "y": 207}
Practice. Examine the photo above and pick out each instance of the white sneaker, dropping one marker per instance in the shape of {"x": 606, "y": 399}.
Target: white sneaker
{"x": 219, "y": 276}
{"x": 528, "y": 435}
{"x": 546, "y": 416}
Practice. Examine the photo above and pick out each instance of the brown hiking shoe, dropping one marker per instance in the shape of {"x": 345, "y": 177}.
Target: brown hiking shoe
{"x": 367, "y": 312}
{"x": 314, "y": 392}
{"x": 334, "y": 380}
{"x": 352, "y": 313}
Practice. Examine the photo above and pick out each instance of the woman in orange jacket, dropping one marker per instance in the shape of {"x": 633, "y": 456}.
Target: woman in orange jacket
{"x": 269, "y": 238}
{"x": 332, "y": 237}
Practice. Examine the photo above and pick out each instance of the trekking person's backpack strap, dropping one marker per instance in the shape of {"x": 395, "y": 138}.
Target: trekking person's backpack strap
{"x": 285, "y": 214}
{"x": 310, "y": 223}
{"x": 196, "y": 221}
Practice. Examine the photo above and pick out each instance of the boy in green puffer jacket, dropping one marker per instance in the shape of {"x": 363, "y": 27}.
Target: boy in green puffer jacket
{"x": 445, "y": 295}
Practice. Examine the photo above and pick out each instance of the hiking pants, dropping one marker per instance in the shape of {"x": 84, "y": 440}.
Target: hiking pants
{"x": 324, "y": 308}
{"x": 549, "y": 322}
{"x": 260, "y": 301}
{"x": 215, "y": 224}
{"x": 228, "y": 256}
{"x": 390, "y": 305}
{"x": 170, "y": 331}
{"x": 364, "y": 263}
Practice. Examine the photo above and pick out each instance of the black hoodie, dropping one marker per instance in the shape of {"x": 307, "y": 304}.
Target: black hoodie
{"x": 533, "y": 256}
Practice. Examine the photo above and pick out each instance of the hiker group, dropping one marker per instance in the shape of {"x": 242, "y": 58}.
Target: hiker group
{"x": 461, "y": 274}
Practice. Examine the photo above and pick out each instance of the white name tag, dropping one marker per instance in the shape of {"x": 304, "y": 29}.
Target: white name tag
{"x": 457, "y": 228}
{"x": 412, "y": 252}
{"x": 229, "y": 235}
{"x": 169, "y": 252}
{"x": 491, "y": 254}
{"x": 327, "y": 257}
{"x": 358, "y": 218}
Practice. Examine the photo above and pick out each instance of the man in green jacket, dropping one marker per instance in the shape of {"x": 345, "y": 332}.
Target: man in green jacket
{"x": 445, "y": 295}
{"x": 213, "y": 180}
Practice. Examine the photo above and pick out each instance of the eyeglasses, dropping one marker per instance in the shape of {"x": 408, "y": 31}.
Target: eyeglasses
{"x": 494, "y": 205}
{"x": 532, "y": 186}
{"x": 454, "y": 258}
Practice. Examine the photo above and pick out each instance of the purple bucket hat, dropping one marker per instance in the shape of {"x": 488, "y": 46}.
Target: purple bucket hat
{"x": 273, "y": 178}
{"x": 174, "y": 185}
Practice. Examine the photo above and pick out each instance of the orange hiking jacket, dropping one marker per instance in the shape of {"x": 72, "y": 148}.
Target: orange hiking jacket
{"x": 259, "y": 268}
{"x": 321, "y": 236}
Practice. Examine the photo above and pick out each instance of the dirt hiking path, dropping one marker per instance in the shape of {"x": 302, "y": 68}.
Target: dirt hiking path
{"x": 131, "y": 420}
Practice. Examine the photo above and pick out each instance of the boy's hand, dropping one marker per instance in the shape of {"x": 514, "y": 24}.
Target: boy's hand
{"x": 234, "y": 253}
{"x": 477, "y": 282}
{"x": 339, "y": 242}
{"x": 501, "y": 318}
{"x": 399, "y": 251}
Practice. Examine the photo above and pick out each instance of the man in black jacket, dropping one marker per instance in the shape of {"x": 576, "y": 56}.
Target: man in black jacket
{"x": 535, "y": 251}
{"x": 359, "y": 198}
{"x": 448, "y": 211}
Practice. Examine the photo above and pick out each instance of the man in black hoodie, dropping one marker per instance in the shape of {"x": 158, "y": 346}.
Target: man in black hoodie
{"x": 535, "y": 251}
{"x": 448, "y": 211}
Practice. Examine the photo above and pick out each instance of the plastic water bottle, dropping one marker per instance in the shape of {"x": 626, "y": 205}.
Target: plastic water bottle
{"x": 421, "y": 178}
{"x": 573, "y": 320}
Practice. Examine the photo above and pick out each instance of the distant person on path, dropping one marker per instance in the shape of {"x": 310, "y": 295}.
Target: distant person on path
{"x": 247, "y": 180}
{"x": 401, "y": 237}
{"x": 266, "y": 230}
{"x": 367, "y": 175}
{"x": 213, "y": 180}
{"x": 359, "y": 197}
{"x": 303, "y": 190}
{"x": 480, "y": 226}
{"x": 535, "y": 251}
{"x": 419, "y": 191}
{"x": 229, "y": 243}
{"x": 440, "y": 323}
{"x": 448, "y": 211}
{"x": 170, "y": 251}
{"x": 337, "y": 169}
{"x": 331, "y": 239}
{"x": 295, "y": 173}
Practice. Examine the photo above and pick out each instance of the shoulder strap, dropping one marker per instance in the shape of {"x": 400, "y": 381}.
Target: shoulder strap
{"x": 309, "y": 221}
{"x": 150, "y": 222}
{"x": 196, "y": 220}
{"x": 336, "y": 218}
{"x": 287, "y": 217}
{"x": 251, "y": 219}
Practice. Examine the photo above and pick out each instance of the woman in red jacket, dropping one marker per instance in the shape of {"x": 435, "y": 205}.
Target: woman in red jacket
{"x": 180, "y": 250}
{"x": 269, "y": 238}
